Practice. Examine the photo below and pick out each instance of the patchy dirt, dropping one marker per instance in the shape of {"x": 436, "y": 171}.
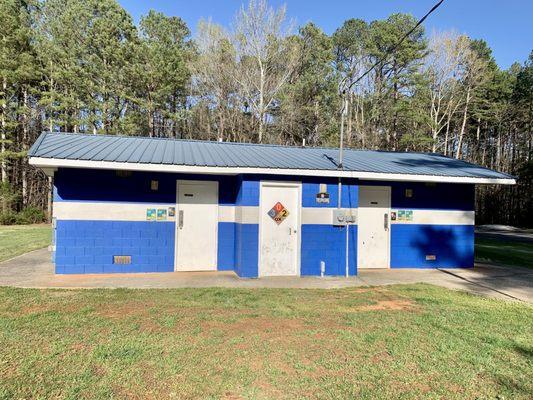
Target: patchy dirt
{"x": 250, "y": 326}
{"x": 398, "y": 304}
{"x": 127, "y": 309}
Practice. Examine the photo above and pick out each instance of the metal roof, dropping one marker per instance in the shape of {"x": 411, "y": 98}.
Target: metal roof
{"x": 166, "y": 152}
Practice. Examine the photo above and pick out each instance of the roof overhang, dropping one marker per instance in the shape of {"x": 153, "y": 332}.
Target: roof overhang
{"x": 50, "y": 164}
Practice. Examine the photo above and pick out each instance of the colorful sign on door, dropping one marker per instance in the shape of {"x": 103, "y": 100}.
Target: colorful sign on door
{"x": 278, "y": 213}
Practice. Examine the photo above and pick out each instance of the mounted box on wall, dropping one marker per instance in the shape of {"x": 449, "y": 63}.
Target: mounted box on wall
{"x": 154, "y": 185}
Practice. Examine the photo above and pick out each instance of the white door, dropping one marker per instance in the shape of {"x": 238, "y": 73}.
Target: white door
{"x": 373, "y": 227}
{"x": 280, "y": 229}
{"x": 196, "y": 226}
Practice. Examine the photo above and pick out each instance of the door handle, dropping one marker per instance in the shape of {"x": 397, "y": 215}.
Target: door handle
{"x": 386, "y": 221}
{"x": 180, "y": 219}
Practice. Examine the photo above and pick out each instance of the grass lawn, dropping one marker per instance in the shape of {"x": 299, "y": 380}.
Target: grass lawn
{"x": 504, "y": 252}
{"x": 408, "y": 341}
{"x": 19, "y": 239}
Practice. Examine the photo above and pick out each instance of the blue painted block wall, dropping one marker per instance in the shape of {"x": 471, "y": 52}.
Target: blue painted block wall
{"x": 453, "y": 246}
{"x": 318, "y": 242}
{"x": 439, "y": 196}
{"x": 89, "y": 246}
{"x": 104, "y": 185}
{"x": 79, "y": 185}
{"x": 247, "y": 250}
{"x": 328, "y": 243}
{"x": 325, "y": 242}
{"x": 226, "y": 246}
{"x": 238, "y": 243}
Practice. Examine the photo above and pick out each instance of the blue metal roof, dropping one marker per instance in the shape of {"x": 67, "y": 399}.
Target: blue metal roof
{"x": 144, "y": 150}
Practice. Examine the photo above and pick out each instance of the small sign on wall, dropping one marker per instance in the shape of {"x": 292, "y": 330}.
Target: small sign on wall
{"x": 161, "y": 214}
{"x": 172, "y": 211}
{"x": 150, "y": 214}
{"x": 401, "y": 215}
{"x": 322, "y": 197}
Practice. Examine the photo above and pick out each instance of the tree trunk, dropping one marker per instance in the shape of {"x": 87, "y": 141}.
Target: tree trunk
{"x": 463, "y": 125}
{"x": 3, "y": 163}
{"x": 24, "y": 147}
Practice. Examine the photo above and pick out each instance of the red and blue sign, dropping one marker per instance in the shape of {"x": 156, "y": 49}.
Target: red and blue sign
{"x": 278, "y": 213}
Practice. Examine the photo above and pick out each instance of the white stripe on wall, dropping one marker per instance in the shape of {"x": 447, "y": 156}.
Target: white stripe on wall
{"x": 439, "y": 217}
{"x": 114, "y": 211}
{"x": 239, "y": 214}
{"x": 226, "y": 214}
{"x": 247, "y": 215}
{"x": 322, "y": 216}
{"x": 105, "y": 211}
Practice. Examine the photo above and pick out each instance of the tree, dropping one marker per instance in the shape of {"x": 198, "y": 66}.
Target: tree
{"x": 396, "y": 77}
{"x": 18, "y": 75}
{"x": 476, "y": 70}
{"x": 266, "y": 58}
{"x": 444, "y": 68}
{"x": 214, "y": 74}
{"x": 309, "y": 103}
{"x": 351, "y": 60}
{"x": 160, "y": 70}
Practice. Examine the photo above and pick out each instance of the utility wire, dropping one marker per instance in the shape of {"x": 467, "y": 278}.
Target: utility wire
{"x": 394, "y": 47}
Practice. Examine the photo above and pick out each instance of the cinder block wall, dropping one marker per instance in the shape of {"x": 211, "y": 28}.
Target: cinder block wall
{"x": 100, "y": 214}
{"x": 441, "y": 234}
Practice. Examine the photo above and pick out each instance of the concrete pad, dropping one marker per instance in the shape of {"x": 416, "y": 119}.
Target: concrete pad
{"x": 34, "y": 270}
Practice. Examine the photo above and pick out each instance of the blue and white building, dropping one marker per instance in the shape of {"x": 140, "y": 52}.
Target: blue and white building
{"x": 135, "y": 204}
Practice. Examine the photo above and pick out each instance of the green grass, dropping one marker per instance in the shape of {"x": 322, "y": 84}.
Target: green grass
{"x": 19, "y": 239}
{"x": 504, "y": 252}
{"x": 411, "y": 341}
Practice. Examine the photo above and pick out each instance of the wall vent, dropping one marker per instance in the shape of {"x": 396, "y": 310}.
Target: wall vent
{"x": 121, "y": 259}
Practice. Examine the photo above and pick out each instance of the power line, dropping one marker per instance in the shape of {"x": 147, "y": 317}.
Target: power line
{"x": 393, "y": 48}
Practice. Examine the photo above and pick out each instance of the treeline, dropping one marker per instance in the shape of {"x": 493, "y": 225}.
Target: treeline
{"x": 85, "y": 66}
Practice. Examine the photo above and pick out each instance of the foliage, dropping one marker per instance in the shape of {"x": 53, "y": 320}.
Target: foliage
{"x": 29, "y": 215}
{"x": 85, "y": 66}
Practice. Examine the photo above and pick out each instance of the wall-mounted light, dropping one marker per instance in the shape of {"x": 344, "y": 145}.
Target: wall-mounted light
{"x": 154, "y": 185}
{"x": 123, "y": 173}
{"x": 409, "y": 193}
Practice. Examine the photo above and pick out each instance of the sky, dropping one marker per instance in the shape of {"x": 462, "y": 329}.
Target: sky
{"x": 506, "y": 25}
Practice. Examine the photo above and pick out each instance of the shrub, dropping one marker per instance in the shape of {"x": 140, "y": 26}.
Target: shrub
{"x": 29, "y": 215}
{"x": 32, "y": 215}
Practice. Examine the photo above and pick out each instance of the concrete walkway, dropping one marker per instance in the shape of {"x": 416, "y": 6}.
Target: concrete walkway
{"x": 34, "y": 270}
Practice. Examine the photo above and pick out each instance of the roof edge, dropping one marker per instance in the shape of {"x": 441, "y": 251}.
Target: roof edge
{"x": 53, "y": 163}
